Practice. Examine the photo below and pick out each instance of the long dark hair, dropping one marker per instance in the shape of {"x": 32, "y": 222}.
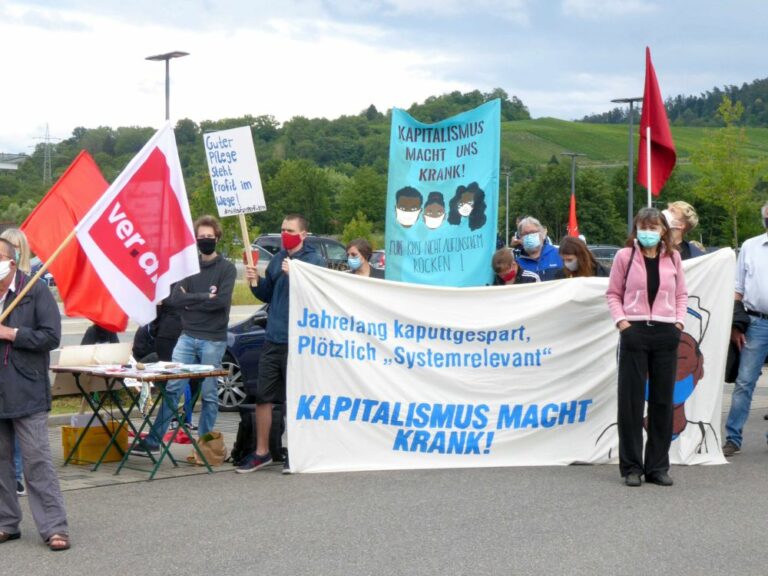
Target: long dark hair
{"x": 477, "y": 217}
{"x": 651, "y": 216}
{"x": 572, "y": 246}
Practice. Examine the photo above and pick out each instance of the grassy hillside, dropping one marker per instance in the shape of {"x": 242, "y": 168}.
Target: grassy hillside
{"x": 535, "y": 141}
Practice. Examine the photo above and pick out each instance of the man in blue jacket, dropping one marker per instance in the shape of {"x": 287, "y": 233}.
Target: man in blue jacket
{"x": 274, "y": 289}
{"x": 537, "y": 255}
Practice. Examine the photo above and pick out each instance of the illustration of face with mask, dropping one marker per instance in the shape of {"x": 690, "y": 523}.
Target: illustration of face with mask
{"x": 468, "y": 205}
{"x": 434, "y": 210}
{"x": 408, "y": 206}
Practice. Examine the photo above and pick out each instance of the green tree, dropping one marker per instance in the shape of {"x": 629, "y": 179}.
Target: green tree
{"x": 298, "y": 186}
{"x": 728, "y": 177}
{"x": 365, "y": 193}
{"x": 358, "y": 227}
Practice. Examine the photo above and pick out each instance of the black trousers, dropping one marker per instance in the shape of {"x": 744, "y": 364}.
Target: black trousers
{"x": 647, "y": 353}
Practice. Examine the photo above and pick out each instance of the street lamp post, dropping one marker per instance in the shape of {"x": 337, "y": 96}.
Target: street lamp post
{"x": 573, "y": 156}
{"x": 631, "y": 168}
{"x": 167, "y": 58}
{"x": 506, "y": 212}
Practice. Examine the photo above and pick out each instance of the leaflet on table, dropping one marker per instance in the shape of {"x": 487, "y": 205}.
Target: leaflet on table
{"x": 153, "y": 369}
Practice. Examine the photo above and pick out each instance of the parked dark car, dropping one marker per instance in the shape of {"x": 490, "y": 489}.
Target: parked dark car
{"x": 333, "y": 251}
{"x": 378, "y": 260}
{"x": 35, "y": 264}
{"x": 245, "y": 341}
{"x": 604, "y": 254}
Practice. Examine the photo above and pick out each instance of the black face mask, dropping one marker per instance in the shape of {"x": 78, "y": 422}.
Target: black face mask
{"x": 206, "y": 246}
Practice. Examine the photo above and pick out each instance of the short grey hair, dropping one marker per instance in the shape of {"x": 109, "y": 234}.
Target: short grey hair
{"x": 529, "y": 220}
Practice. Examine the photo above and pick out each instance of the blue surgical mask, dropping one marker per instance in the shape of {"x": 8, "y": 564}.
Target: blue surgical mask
{"x": 354, "y": 263}
{"x": 531, "y": 241}
{"x": 648, "y": 238}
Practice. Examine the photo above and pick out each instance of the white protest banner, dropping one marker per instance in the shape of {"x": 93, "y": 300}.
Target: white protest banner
{"x": 386, "y": 375}
{"x": 234, "y": 171}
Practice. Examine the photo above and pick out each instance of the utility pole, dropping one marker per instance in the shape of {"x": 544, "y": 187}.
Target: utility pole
{"x": 506, "y": 211}
{"x": 47, "y": 157}
{"x": 631, "y": 166}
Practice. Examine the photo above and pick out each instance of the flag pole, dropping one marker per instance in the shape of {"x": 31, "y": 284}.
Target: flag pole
{"x": 648, "y": 161}
{"x": 37, "y": 276}
{"x": 246, "y": 241}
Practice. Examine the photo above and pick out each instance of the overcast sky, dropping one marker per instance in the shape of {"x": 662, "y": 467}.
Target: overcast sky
{"x": 72, "y": 63}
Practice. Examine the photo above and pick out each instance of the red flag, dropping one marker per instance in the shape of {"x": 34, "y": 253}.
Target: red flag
{"x": 53, "y": 220}
{"x": 662, "y": 154}
{"x": 139, "y": 235}
{"x": 573, "y": 223}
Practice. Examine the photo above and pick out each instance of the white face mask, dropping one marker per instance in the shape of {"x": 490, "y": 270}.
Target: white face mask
{"x": 407, "y": 218}
{"x": 5, "y": 269}
{"x": 673, "y": 222}
{"x": 571, "y": 265}
{"x": 431, "y": 222}
{"x": 466, "y": 209}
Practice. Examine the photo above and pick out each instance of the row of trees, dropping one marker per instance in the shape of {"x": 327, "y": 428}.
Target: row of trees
{"x": 335, "y": 171}
{"x": 702, "y": 110}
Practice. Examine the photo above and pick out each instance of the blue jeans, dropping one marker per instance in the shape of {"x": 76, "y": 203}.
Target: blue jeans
{"x": 17, "y": 460}
{"x": 191, "y": 350}
{"x": 752, "y": 358}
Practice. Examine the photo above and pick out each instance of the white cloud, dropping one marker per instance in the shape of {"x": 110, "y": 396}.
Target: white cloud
{"x": 511, "y": 10}
{"x": 96, "y": 74}
{"x": 602, "y": 9}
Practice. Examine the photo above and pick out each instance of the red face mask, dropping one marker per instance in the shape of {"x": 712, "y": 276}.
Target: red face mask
{"x": 510, "y": 276}
{"x": 290, "y": 241}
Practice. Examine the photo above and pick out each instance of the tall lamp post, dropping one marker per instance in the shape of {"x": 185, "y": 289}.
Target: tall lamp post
{"x": 167, "y": 58}
{"x": 506, "y": 212}
{"x": 573, "y": 156}
{"x": 631, "y": 168}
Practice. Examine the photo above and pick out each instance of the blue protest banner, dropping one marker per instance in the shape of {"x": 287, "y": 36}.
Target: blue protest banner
{"x": 442, "y": 198}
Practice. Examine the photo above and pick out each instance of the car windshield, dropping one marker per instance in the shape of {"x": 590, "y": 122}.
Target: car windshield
{"x": 336, "y": 251}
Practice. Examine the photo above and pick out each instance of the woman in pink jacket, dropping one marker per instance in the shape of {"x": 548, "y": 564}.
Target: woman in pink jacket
{"x": 647, "y": 298}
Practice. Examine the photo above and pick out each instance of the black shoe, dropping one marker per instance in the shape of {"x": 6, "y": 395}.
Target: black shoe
{"x": 286, "y": 465}
{"x": 730, "y": 449}
{"x": 20, "y": 490}
{"x": 632, "y": 480}
{"x": 659, "y": 478}
{"x": 145, "y": 448}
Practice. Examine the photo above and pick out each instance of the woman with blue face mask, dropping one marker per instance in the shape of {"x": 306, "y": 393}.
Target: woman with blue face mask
{"x": 648, "y": 300}
{"x": 358, "y": 259}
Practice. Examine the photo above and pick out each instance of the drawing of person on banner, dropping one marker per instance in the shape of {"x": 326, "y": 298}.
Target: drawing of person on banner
{"x": 434, "y": 210}
{"x": 468, "y": 202}
{"x": 408, "y": 206}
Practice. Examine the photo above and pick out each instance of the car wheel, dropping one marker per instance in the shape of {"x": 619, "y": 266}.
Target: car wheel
{"x": 230, "y": 388}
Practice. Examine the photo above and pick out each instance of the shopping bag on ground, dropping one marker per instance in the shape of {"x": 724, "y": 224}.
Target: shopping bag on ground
{"x": 213, "y": 448}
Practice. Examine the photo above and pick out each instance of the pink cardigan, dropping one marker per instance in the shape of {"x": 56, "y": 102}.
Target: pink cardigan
{"x": 630, "y": 302}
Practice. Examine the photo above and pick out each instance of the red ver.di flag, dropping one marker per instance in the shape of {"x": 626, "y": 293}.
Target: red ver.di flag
{"x": 139, "y": 235}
